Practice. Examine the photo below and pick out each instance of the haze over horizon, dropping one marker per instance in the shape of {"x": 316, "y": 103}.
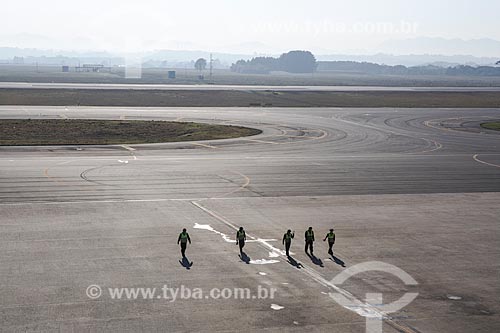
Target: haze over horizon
{"x": 355, "y": 27}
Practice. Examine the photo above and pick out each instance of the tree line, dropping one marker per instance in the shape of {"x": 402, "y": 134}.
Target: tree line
{"x": 371, "y": 68}
{"x": 292, "y": 62}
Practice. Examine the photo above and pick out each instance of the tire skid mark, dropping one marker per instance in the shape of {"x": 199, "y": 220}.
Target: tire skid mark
{"x": 84, "y": 175}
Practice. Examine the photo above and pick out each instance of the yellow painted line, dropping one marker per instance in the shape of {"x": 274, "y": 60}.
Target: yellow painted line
{"x": 46, "y": 173}
{"x": 203, "y": 145}
{"x": 324, "y": 133}
{"x": 436, "y": 144}
{"x": 123, "y": 117}
{"x": 63, "y": 116}
{"x": 475, "y": 157}
{"x": 242, "y": 187}
{"x": 428, "y": 124}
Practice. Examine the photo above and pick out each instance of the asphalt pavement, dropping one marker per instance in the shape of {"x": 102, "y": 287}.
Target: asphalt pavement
{"x": 209, "y": 87}
{"x": 414, "y": 188}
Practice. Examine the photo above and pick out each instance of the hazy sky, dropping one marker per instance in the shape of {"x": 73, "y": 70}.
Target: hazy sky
{"x": 234, "y": 25}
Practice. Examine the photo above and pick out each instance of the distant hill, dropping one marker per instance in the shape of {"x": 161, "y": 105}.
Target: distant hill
{"x": 171, "y": 57}
{"x": 483, "y": 47}
{"x": 183, "y": 58}
{"x": 412, "y": 59}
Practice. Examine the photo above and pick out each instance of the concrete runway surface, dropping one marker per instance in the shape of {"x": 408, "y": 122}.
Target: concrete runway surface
{"x": 414, "y": 188}
{"x": 123, "y": 86}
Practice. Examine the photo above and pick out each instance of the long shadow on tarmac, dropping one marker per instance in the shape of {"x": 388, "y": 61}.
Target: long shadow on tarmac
{"x": 294, "y": 263}
{"x": 337, "y": 261}
{"x": 243, "y": 256}
{"x": 186, "y": 263}
{"x": 315, "y": 260}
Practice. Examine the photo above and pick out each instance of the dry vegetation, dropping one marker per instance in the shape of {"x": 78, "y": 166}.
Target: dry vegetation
{"x": 203, "y": 98}
{"x": 93, "y": 132}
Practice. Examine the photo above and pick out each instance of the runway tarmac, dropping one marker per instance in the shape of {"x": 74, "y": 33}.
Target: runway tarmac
{"x": 209, "y": 87}
{"x": 414, "y": 188}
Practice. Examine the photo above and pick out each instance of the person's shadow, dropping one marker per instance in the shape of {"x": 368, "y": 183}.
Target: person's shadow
{"x": 337, "y": 260}
{"x": 243, "y": 256}
{"x": 316, "y": 260}
{"x": 294, "y": 262}
{"x": 185, "y": 263}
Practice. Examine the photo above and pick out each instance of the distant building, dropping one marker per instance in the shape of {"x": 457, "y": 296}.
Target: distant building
{"x": 65, "y": 69}
{"x": 18, "y": 60}
{"x": 92, "y": 68}
{"x": 171, "y": 74}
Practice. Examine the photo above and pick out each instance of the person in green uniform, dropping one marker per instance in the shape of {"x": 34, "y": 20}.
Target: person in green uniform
{"x": 241, "y": 237}
{"x": 287, "y": 240}
{"x": 309, "y": 238}
{"x": 331, "y": 240}
{"x": 183, "y": 239}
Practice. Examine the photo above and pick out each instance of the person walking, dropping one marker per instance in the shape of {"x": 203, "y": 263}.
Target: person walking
{"x": 287, "y": 240}
{"x": 241, "y": 237}
{"x": 309, "y": 238}
{"x": 183, "y": 239}
{"x": 331, "y": 240}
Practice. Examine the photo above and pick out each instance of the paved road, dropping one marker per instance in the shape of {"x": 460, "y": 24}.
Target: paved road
{"x": 415, "y": 188}
{"x": 26, "y": 85}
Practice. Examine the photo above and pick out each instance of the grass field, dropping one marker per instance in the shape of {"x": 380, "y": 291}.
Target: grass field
{"x": 221, "y": 98}
{"x": 15, "y": 132}
{"x": 30, "y": 73}
{"x": 492, "y": 126}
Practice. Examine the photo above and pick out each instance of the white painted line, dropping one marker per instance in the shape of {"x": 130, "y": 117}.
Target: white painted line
{"x": 263, "y": 261}
{"x": 437, "y": 146}
{"x": 277, "y": 307}
{"x": 475, "y": 157}
{"x": 260, "y": 141}
{"x": 361, "y": 308}
{"x": 203, "y": 145}
{"x": 127, "y": 147}
{"x": 217, "y": 217}
{"x": 79, "y": 202}
{"x": 209, "y": 228}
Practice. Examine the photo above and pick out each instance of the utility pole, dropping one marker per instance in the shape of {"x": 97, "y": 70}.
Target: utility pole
{"x": 211, "y": 67}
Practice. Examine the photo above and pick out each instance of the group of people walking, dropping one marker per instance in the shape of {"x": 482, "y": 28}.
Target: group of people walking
{"x": 241, "y": 238}
{"x": 309, "y": 241}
